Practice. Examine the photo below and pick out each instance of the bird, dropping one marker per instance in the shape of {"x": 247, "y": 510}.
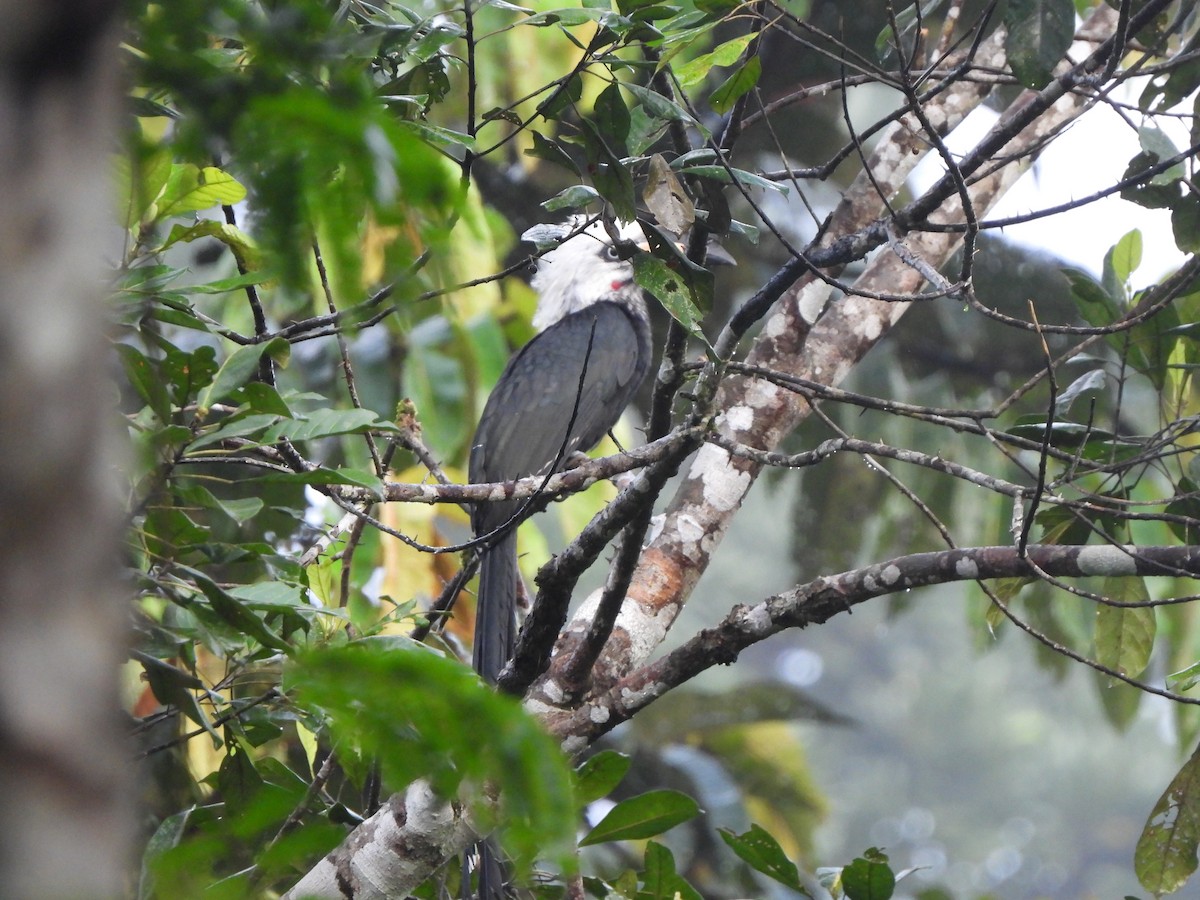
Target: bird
{"x": 558, "y": 396}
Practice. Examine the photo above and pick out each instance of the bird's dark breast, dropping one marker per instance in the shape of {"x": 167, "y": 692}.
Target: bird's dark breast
{"x": 561, "y": 393}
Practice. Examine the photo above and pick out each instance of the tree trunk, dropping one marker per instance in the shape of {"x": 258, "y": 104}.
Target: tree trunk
{"x": 65, "y": 807}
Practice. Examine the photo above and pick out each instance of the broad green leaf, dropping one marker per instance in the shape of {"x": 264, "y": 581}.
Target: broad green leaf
{"x": 1126, "y": 255}
{"x": 234, "y": 427}
{"x": 225, "y": 285}
{"x": 269, "y": 593}
{"x": 1188, "y": 505}
{"x": 235, "y": 613}
{"x": 437, "y": 136}
{"x": 326, "y": 423}
{"x": 726, "y": 54}
{"x": 189, "y": 189}
{"x": 1095, "y": 304}
{"x": 426, "y": 716}
{"x": 659, "y": 107}
{"x": 1095, "y": 380}
{"x": 869, "y": 877}
{"x": 144, "y": 377}
{"x": 562, "y": 97}
{"x": 599, "y": 775}
{"x": 576, "y": 197}
{"x": 683, "y": 292}
{"x": 610, "y": 176}
{"x": 262, "y": 398}
{"x": 643, "y": 816}
{"x": 237, "y": 368}
{"x": 168, "y": 835}
{"x": 1185, "y": 224}
{"x": 552, "y": 152}
{"x": 612, "y": 118}
{"x": 1125, "y": 635}
{"x": 173, "y": 686}
{"x": 721, "y": 174}
{"x": 1185, "y": 679}
{"x": 567, "y": 17}
{"x": 244, "y": 249}
{"x": 660, "y": 880}
{"x": 743, "y": 79}
{"x": 1166, "y": 851}
{"x": 758, "y": 849}
{"x": 907, "y": 23}
{"x": 1039, "y": 34}
{"x": 241, "y": 510}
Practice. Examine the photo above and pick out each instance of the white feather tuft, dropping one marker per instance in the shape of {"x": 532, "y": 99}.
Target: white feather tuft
{"x": 576, "y": 274}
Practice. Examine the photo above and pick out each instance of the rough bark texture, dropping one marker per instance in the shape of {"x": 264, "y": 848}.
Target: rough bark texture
{"x": 64, "y": 816}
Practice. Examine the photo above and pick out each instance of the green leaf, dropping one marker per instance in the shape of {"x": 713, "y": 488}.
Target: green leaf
{"x": 1039, "y": 34}
{"x": 660, "y": 880}
{"x": 1125, "y": 635}
{"x": 721, "y": 174}
{"x": 1153, "y": 193}
{"x": 683, "y": 289}
{"x": 759, "y": 849}
{"x": 245, "y": 251}
{"x": 322, "y": 423}
{"x": 1185, "y": 679}
{"x": 659, "y": 107}
{"x": 576, "y": 197}
{"x": 235, "y": 613}
{"x": 235, "y": 426}
{"x": 1095, "y": 304}
{"x": 237, "y": 368}
{"x": 561, "y": 98}
{"x": 610, "y": 175}
{"x": 167, "y": 836}
{"x": 567, "y": 17}
{"x": 552, "y": 152}
{"x": 225, "y": 285}
{"x": 1187, "y": 505}
{"x": 743, "y": 79}
{"x": 1185, "y": 224}
{"x": 726, "y": 54}
{"x": 1126, "y": 255}
{"x": 144, "y": 378}
{"x": 643, "y": 816}
{"x": 190, "y": 188}
{"x": 599, "y": 775}
{"x": 1166, "y": 851}
{"x": 612, "y": 118}
{"x": 426, "y": 716}
{"x": 869, "y": 877}
{"x": 262, "y": 398}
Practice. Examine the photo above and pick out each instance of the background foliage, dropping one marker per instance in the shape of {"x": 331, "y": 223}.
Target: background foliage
{"x": 320, "y": 201}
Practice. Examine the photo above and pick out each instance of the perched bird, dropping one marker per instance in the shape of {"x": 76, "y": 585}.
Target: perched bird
{"x": 559, "y": 395}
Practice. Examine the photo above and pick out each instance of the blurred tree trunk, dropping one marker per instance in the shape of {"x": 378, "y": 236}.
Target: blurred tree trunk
{"x": 64, "y": 791}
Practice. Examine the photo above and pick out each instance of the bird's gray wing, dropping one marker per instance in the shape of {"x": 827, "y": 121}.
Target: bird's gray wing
{"x": 527, "y": 422}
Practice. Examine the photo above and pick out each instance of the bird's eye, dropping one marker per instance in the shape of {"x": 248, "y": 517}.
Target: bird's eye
{"x": 610, "y": 253}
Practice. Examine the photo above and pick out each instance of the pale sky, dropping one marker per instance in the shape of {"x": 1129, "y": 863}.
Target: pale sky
{"x": 1090, "y": 156}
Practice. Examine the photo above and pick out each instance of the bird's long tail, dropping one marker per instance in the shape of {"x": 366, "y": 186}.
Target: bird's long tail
{"x": 495, "y": 608}
{"x": 495, "y": 639}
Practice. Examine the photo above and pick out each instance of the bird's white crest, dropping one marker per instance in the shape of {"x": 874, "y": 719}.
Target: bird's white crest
{"x": 577, "y": 273}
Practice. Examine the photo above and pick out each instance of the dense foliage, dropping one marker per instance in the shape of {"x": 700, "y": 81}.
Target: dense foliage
{"x": 321, "y": 202}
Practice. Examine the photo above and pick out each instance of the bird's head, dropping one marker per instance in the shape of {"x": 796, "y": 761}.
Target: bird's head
{"x": 585, "y": 268}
